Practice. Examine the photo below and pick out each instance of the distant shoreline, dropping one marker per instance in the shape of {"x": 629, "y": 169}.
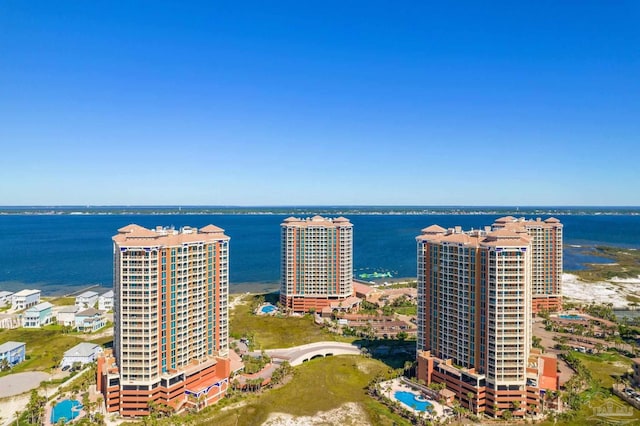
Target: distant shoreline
{"x": 322, "y": 210}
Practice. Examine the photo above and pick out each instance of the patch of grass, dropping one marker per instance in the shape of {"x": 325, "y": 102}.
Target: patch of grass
{"x": 604, "y": 366}
{"x": 318, "y": 385}
{"x": 633, "y": 299}
{"x": 106, "y": 341}
{"x": 63, "y": 301}
{"x": 588, "y": 414}
{"x": 45, "y": 347}
{"x": 407, "y": 310}
{"x": 272, "y": 332}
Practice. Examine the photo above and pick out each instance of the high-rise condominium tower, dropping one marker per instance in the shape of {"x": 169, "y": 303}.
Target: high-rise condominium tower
{"x": 317, "y": 262}
{"x": 546, "y": 258}
{"x": 474, "y": 316}
{"x": 170, "y": 320}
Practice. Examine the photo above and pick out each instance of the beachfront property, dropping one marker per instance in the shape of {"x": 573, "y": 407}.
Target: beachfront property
{"x": 171, "y": 321}
{"x": 316, "y": 262}
{"x": 89, "y": 320}
{"x": 82, "y": 353}
{"x": 25, "y": 299}
{"x": 87, "y": 299}
{"x": 67, "y": 315}
{"x": 474, "y": 316}
{"x": 38, "y": 315}
{"x": 5, "y": 297}
{"x": 105, "y": 301}
{"x": 546, "y": 259}
{"x": 13, "y": 352}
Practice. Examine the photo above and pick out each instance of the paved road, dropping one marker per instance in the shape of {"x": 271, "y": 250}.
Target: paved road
{"x": 15, "y": 384}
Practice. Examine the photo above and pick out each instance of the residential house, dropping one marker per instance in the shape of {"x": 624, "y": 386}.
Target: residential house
{"x": 25, "y": 299}
{"x": 38, "y": 315}
{"x": 5, "y": 297}
{"x": 89, "y": 320}
{"x": 13, "y": 352}
{"x": 105, "y": 301}
{"x": 84, "y": 353}
{"x": 87, "y": 299}
{"x": 67, "y": 315}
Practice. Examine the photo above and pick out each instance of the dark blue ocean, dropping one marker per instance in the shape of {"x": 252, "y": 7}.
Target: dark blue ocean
{"x": 63, "y": 253}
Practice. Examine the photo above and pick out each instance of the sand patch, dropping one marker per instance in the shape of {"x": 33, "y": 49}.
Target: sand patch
{"x": 349, "y": 414}
{"x": 614, "y": 291}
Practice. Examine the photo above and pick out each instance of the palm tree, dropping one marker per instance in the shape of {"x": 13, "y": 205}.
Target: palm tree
{"x": 470, "y": 397}
{"x": 515, "y": 405}
{"x": 99, "y": 401}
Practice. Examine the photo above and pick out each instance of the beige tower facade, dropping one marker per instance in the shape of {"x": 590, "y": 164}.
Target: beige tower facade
{"x": 316, "y": 262}
{"x": 546, "y": 257}
{"x": 474, "y": 310}
{"x": 170, "y": 320}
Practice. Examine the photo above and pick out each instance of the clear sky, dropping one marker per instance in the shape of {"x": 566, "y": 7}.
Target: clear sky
{"x": 320, "y": 102}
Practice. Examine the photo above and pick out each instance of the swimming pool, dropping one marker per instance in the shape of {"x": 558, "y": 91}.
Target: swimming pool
{"x": 267, "y": 309}
{"x": 571, "y": 317}
{"x": 412, "y": 400}
{"x": 67, "y": 409}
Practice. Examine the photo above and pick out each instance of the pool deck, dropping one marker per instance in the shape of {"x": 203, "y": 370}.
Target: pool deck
{"x": 397, "y": 385}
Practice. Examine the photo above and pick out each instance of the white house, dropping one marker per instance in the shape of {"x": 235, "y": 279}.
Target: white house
{"x": 105, "y": 301}
{"x": 89, "y": 320}
{"x": 87, "y": 299}
{"x": 5, "y": 297}
{"x": 67, "y": 315}
{"x": 25, "y": 299}
{"x": 83, "y": 353}
{"x": 37, "y": 316}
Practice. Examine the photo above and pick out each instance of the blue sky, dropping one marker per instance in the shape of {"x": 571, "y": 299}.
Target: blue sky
{"x": 307, "y": 103}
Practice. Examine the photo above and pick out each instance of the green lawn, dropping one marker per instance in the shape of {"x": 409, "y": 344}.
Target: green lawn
{"x": 318, "y": 385}
{"x": 407, "y": 310}
{"x": 63, "y": 301}
{"x": 43, "y": 345}
{"x": 271, "y": 332}
{"x": 605, "y": 365}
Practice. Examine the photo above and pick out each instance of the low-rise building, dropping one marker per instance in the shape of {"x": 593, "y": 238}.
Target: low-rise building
{"x": 5, "y": 297}
{"x": 38, "y": 315}
{"x": 87, "y": 299}
{"x": 363, "y": 291}
{"x": 89, "y": 320}
{"x": 13, "y": 352}
{"x": 83, "y": 353}
{"x": 67, "y": 315}
{"x": 105, "y": 301}
{"x": 25, "y": 299}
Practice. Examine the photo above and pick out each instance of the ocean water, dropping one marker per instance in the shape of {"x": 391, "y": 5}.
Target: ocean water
{"x": 63, "y": 253}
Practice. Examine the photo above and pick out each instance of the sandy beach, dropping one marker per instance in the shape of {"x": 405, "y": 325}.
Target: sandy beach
{"x": 616, "y": 290}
